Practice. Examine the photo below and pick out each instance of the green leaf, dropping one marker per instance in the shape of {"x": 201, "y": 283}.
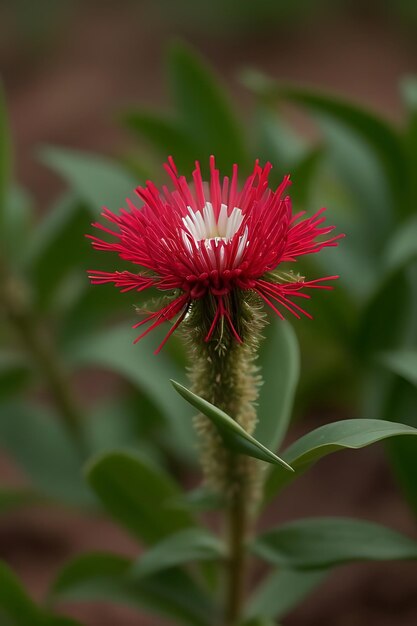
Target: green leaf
{"x": 96, "y": 180}
{"x": 89, "y": 574}
{"x": 56, "y": 223}
{"x": 353, "y": 179}
{"x": 366, "y": 205}
{"x": 5, "y": 156}
{"x": 401, "y": 362}
{"x": 282, "y": 591}
{"x": 280, "y": 369}
{"x": 165, "y": 135}
{"x": 90, "y": 307}
{"x": 15, "y": 373}
{"x": 113, "y": 350}
{"x": 123, "y": 422}
{"x": 303, "y": 174}
{"x": 194, "y": 544}
{"x": 326, "y": 542}
{"x": 408, "y": 87}
{"x": 233, "y": 435}
{"x": 38, "y": 442}
{"x": 379, "y": 135}
{"x": 17, "y": 222}
{"x": 15, "y": 604}
{"x": 277, "y": 142}
{"x": 409, "y": 92}
{"x": 351, "y": 433}
{"x": 102, "y": 576}
{"x": 50, "y": 256}
{"x": 204, "y": 110}
{"x": 202, "y": 499}
{"x": 137, "y": 495}
{"x": 402, "y": 247}
{"x": 383, "y": 321}
{"x": 402, "y": 397}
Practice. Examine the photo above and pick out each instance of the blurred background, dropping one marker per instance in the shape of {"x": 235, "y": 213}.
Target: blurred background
{"x": 70, "y": 71}
{"x": 69, "y": 67}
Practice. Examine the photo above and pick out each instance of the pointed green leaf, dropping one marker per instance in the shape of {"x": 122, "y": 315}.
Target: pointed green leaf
{"x": 124, "y": 422}
{"x": 138, "y": 495}
{"x": 278, "y": 143}
{"x": 89, "y": 307}
{"x": 378, "y": 134}
{"x": 326, "y": 542}
{"x": 351, "y": 433}
{"x": 409, "y": 92}
{"x": 392, "y": 391}
{"x": 204, "y": 109}
{"x": 96, "y": 180}
{"x": 50, "y": 255}
{"x": 15, "y": 604}
{"x": 113, "y": 350}
{"x": 402, "y": 246}
{"x": 233, "y": 435}
{"x": 58, "y": 275}
{"x": 280, "y": 368}
{"x": 56, "y": 222}
{"x": 357, "y": 174}
{"x": 401, "y": 362}
{"x": 402, "y": 451}
{"x": 382, "y": 321}
{"x": 16, "y": 228}
{"x": 354, "y": 182}
{"x": 15, "y": 373}
{"x": 303, "y": 174}
{"x": 282, "y": 591}
{"x": 194, "y": 544}
{"x": 202, "y": 499}
{"x": 165, "y": 136}
{"x": 38, "y": 442}
{"x": 88, "y": 574}
{"x": 103, "y": 576}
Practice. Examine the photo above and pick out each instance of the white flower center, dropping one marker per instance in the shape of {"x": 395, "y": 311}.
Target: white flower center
{"x": 204, "y": 229}
{"x": 203, "y": 225}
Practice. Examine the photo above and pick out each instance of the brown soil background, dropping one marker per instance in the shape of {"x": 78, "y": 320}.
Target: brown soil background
{"x": 67, "y": 91}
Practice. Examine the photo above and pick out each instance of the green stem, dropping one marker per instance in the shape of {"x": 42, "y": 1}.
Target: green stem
{"x": 237, "y": 561}
{"x": 38, "y": 344}
{"x": 224, "y": 373}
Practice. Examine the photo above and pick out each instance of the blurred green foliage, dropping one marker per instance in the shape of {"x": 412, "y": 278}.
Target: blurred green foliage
{"x": 359, "y": 355}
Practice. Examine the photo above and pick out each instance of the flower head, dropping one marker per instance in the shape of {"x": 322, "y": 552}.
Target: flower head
{"x": 209, "y": 240}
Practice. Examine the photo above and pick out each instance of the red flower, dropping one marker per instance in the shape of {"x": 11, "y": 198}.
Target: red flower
{"x": 212, "y": 238}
